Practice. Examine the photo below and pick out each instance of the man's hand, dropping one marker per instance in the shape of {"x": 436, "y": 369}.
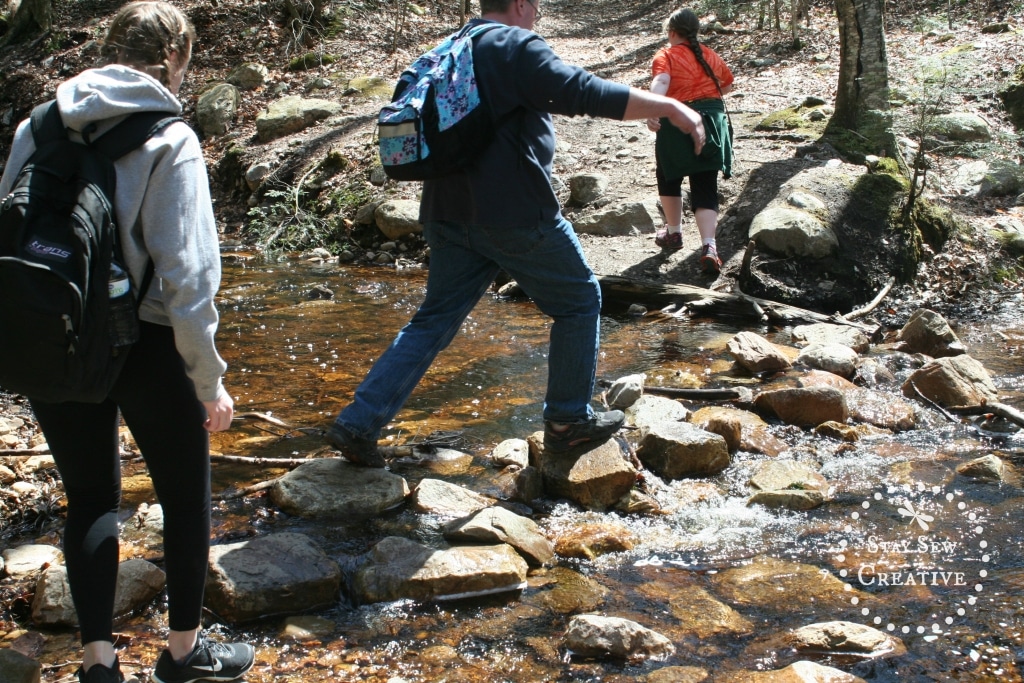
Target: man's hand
{"x": 687, "y": 120}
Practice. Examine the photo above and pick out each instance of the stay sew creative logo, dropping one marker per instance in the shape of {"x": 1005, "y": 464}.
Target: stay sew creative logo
{"x": 914, "y": 545}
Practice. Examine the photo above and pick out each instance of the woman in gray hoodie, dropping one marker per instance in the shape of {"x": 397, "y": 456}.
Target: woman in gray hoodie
{"x": 170, "y": 392}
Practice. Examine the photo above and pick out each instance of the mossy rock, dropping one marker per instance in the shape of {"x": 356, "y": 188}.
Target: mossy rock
{"x": 785, "y": 119}
{"x": 936, "y": 224}
{"x": 959, "y": 49}
{"x": 311, "y": 60}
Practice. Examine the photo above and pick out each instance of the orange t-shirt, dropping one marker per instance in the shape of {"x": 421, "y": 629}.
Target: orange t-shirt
{"x": 687, "y": 80}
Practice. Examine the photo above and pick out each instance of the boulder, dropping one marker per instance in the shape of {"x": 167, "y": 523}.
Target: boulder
{"x": 248, "y": 76}
{"x": 17, "y": 668}
{"x": 138, "y": 582}
{"x": 292, "y": 114}
{"x": 216, "y": 108}
{"x": 333, "y": 487}
{"x": 398, "y": 568}
{"x": 649, "y": 410}
{"x": 514, "y": 452}
{"x": 587, "y": 188}
{"x": 677, "y": 450}
{"x": 590, "y": 635}
{"x": 631, "y": 218}
{"x": 989, "y": 467}
{"x": 703, "y": 616}
{"x": 804, "y": 406}
{"x": 596, "y": 479}
{"x": 797, "y": 672}
{"x": 875, "y": 408}
{"x": 953, "y": 381}
{"x": 828, "y": 333}
{"x": 741, "y": 429}
{"x": 960, "y": 127}
{"x": 29, "y": 558}
{"x": 437, "y": 497}
{"x": 788, "y": 484}
{"x": 793, "y": 232}
{"x": 835, "y": 358}
{"x": 589, "y": 541}
{"x": 928, "y": 332}
{"x": 282, "y": 573}
{"x": 625, "y": 391}
{"x": 755, "y": 354}
{"x": 396, "y": 218}
{"x": 498, "y": 525}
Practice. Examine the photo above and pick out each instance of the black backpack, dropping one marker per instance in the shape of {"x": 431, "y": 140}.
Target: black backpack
{"x": 58, "y": 236}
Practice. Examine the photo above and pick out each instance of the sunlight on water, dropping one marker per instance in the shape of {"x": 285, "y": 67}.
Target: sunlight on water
{"x": 301, "y": 360}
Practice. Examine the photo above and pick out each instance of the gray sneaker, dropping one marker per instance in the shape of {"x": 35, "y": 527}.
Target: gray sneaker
{"x": 208, "y": 661}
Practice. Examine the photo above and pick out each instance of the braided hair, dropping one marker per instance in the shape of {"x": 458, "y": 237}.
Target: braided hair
{"x": 143, "y": 35}
{"x": 685, "y": 23}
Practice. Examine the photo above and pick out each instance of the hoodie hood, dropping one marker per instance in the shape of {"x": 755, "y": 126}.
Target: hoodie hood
{"x": 110, "y": 93}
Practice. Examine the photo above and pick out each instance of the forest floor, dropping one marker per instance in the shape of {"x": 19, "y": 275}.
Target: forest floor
{"x": 617, "y": 41}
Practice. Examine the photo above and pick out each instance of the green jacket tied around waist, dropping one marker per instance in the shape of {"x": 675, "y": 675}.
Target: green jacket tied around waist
{"x": 674, "y": 148}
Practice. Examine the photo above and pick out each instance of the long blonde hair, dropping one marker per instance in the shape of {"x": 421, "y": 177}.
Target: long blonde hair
{"x": 144, "y": 34}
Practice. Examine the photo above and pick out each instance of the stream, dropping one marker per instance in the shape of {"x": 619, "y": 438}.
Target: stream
{"x": 905, "y": 545}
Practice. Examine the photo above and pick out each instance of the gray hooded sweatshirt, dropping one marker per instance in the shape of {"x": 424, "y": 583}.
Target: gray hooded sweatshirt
{"x": 163, "y": 208}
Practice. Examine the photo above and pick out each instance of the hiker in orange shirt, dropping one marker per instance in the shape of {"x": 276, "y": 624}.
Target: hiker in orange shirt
{"x": 692, "y": 73}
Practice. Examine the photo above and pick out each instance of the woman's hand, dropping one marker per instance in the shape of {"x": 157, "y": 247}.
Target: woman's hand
{"x": 219, "y": 412}
{"x": 654, "y": 125}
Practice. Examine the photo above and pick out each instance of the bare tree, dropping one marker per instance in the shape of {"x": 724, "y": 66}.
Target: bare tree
{"x": 863, "y": 65}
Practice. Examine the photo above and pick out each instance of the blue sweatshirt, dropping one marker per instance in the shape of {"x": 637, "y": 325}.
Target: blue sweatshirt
{"x": 524, "y": 82}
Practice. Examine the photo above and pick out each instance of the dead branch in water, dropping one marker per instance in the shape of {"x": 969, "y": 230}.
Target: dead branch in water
{"x": 711, "y": 302}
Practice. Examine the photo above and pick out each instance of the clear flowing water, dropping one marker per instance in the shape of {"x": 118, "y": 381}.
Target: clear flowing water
{"x": 906, "y": 545}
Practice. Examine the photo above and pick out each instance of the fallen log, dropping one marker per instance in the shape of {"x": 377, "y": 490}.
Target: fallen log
{"x": 709, "y": 302}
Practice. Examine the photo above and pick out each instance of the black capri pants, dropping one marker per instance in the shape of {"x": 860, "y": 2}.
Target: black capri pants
{"x": 703, "y": 188}
{"x": 158, "y": 403}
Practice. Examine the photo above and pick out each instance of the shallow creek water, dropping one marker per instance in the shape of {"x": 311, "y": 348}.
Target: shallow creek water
{"x": 906, "y": 544}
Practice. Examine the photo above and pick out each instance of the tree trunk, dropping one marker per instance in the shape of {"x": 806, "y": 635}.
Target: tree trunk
{"x": 31, "y": 18}
{"x": 863, "y": 65}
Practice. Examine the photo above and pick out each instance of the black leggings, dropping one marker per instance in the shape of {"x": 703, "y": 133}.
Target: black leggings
{"x": 703, "y": 188}
{"x": 158, "y": 403}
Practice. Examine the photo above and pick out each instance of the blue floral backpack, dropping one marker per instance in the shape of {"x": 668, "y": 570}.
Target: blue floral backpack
{"x": 436, "y": 123}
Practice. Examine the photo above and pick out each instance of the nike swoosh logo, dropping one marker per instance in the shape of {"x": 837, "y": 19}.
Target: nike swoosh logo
{"x": 213, "y": 668}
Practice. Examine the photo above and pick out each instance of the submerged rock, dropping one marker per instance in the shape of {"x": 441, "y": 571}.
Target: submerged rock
{"x": 845, "y": 637}
{"x": 797, "y": 672}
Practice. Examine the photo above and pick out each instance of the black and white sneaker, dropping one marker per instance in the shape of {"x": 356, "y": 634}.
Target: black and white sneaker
{"x": 208, "y": 661}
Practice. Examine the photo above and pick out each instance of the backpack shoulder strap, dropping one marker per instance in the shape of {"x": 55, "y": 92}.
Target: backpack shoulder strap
{"x": 132, "y": 132}
{"x": 47, "y": 126}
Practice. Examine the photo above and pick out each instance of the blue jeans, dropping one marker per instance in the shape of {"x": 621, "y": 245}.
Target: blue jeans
{"x": 546, "y": 261}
